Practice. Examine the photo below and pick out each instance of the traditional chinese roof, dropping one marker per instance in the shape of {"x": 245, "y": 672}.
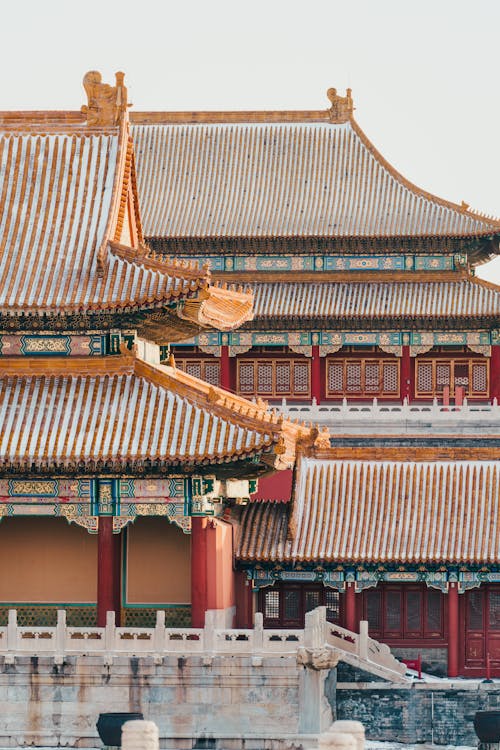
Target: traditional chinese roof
{"x": 374, "y": 299}
{"x": 281, "y": 175}
{"x": 366, "y": 511}
{"x": 71, "y": 240}
{"x": 118, "y": 413}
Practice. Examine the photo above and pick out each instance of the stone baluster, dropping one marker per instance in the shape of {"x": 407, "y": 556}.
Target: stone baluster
{"x": 311, "y": 630}
{"x": 209, "y": 632}
{"x": 258, "y": 632}
{"x": 159, "y": 634}
{"x": 345, "y": 408}
{"x": 60, "y": 644}
{"x": 109, "y": 636}
{"x": 140, "y": 735}
{"x": 12, "y": 632}
{"x": 363, "y": 640}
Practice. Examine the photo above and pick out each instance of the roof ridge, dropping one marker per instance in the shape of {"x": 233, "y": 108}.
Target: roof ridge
{"x": 116, "y": 196}
{"x": 33, "y": 120}
{"x": 73, "y": 366}
{"x": 407, "y": 454}
{"x": 339, "y": 112}
{"x": 157, "y": 262}
{"x": 206, "y": 395}
{"x": 228, "y": 116}
{"x": 284, "y": 433}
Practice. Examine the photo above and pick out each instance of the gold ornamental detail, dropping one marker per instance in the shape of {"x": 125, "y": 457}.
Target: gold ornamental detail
{"x": 44, "y": 344}
{"x": 342, "y": 106}
{"x": 106, "y": 104}
{"x": 27, "y": 487}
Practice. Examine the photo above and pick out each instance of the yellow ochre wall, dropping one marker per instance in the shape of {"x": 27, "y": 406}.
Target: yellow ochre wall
{"x": 46, "y": 560}
{"x": 158, "y": 563}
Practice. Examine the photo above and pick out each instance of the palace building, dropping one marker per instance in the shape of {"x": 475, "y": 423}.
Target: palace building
{"x": 368, "y": 319}
{"x": 180, "y": 295}
{"x": 94, "y": 431}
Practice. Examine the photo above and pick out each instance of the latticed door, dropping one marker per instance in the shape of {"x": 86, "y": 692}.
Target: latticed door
{"x": 205, "y": 368}
{"x": 274, "y": 378}
{"x": 482, "y": 630}
{"x": 408, "y": 612}
{"x": 362, "y": 377}
{"x": 434, "y": 375}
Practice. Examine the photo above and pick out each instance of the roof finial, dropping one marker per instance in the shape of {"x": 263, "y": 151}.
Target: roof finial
{"x": 342, "y": 106}
{"x": 106, "y": 104}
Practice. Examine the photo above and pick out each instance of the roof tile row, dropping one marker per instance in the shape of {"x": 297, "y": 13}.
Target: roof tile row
{"x": 464, "y": 298}
{"x": 290, "y": 179}
{"x": 381, "y": 511}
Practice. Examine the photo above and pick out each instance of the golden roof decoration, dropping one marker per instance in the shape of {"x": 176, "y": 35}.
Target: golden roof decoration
{"x": 342, "y": 106}
{"x": 107, "y": 104}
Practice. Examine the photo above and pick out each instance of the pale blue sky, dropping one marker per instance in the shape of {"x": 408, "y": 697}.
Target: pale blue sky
{"x": 425, "y": 75}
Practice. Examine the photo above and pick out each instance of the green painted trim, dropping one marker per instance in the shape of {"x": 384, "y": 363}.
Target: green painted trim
{"x": 146, "y": 605}
{"x": 13, "y": 605}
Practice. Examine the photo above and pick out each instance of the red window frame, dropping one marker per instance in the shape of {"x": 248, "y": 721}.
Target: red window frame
{"x": 207, "y": 365}
{"x": 274, "y": 391}
{"x": 405, "y": 612}
{"x": 455, "y": 365}
{"x": 366, "y": 366}
{"x": 285, "y": 605}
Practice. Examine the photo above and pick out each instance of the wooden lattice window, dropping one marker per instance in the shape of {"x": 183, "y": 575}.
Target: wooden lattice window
{"x": 362, "y": 377}
{"x": 285, "y": 605}
{"x": 274, "y": 378}
{"x": 433, "y": 375}
{"x": 203, "y": 368}
{"x": 406, "y": 611}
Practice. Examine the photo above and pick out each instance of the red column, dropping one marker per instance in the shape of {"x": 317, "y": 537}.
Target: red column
{"x": 495, "y": 372}
{"x": 316, "y": 374}
{"x": 105, "y": 569}
{"x": 244, "y": 600}
{"x": 405, "y": 389}
{"x": 211, "y": 564}
{"x": 453, "y": 630}
{"x": 225, "y": 368}
{"x": 212, "y": 576}
{"x": 117, "y": 579}
{"x": 350, "y": 608}
{"x": 198, "y": 572}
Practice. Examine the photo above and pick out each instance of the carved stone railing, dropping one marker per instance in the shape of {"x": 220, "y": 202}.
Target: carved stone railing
{"x": 110, "y": 641}
{"x": 357, "y": 649}
{"x": 60, "y": 641}
{"x": 352, "y": 416}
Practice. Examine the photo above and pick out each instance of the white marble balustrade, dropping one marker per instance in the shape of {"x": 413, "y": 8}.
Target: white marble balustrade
{"x": 110, "y": 641}
{"x": 352, "y": 417}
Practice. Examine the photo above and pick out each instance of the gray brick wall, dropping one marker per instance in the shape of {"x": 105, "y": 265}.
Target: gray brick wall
{"x": 440, "y": 713}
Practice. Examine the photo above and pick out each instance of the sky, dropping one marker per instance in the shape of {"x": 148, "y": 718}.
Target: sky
{"x": 424, "y": 75}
